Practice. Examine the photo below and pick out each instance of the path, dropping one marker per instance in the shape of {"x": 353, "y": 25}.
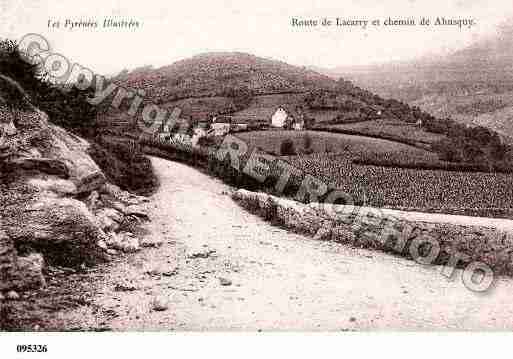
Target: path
{"x": 279, "y": 280}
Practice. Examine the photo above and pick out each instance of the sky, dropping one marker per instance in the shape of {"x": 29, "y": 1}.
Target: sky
{"x": 173, "y": 30}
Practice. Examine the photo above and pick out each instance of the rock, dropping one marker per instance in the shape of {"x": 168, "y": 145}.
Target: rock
{"x": 53, "y": 184}
{"x": 48, "y": 169}
{"x": 8, "y": 129}
{"x": 46, "y": 165}
{"x": 109, "y": 219}
{"x": 19, "y": 273}
{"x": 343, "y": 234}
{"x": 323, "y": 233}
{"x": 29, "y": 272}
{"x": 72, "y": 150}
{"x": 125, "y": 287}
{"x": 102, "y": 244}
{"x": 12, "y": 295}
{"x": 137, "y": 210}
{"x": 2, "y": 298}
{"x": 154, "y": 272}
{"x": 8, "y": 258}
{"x": 92, "y": 200}
{"x": 118, "y": 206}
{"x": 171, "y": 272}
{"x": 117, "y": 194}
{"x": 63, "y": 230}
{"x": 125, "y": 242}
{"x": 151, "y": 244}
{"x": 204, "y": 254}
{"x": 160, "y": 303}
{"x": 224, "y": 281}
{"x": 111, "y": 189}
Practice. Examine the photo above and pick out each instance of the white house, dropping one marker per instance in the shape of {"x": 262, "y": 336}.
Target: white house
{"x": 279, "y": 118}
{"x": 197, "y": 134}
{"x": 220, "y": 128}
{"x": 199, "y": 131}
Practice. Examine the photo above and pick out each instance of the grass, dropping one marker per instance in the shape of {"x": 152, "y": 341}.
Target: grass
{"x": 391, "y": 128}
{"x": 323, "y": 142}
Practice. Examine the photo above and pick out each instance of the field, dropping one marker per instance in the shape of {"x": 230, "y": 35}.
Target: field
{"x": 323, "y": 142}
{"x": 424, "y": 190}
{"x": 263, "y": 107}
{"x": 391, "y": 128}
{"x": 458, "y": 192}
{"x": 200, "y": 108}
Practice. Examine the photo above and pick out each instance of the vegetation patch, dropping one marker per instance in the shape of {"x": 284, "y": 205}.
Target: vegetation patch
{"x": 67, "y": 107}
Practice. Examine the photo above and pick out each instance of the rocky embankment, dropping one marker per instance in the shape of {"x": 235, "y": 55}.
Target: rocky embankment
{"x": 391, "y": 231}
{"x": 57, "y": 207}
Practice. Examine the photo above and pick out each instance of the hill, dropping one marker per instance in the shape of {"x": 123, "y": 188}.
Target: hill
{"x": 250, "y": 88}
{"x": 473, "y": 85}
{"x": 221, "y": 73}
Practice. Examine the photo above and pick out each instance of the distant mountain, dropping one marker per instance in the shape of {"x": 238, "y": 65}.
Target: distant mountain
{"x": 473, "y": 85}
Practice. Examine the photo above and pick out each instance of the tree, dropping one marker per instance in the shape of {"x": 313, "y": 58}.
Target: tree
{"x": 307, "y": 141}
{"x": 287, "y": 148}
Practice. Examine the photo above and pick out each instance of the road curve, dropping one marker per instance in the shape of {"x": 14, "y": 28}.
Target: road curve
{"x": 273, "y": 279}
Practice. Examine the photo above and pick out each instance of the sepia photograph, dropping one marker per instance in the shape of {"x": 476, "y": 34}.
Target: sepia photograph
{"x": 229, "y": 166}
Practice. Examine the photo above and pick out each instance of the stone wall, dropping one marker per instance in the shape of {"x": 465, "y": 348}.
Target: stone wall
{"x": 368, "y": 228}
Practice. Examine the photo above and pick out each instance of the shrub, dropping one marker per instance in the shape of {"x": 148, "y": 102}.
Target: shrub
{"x": 287, "y": 148}
{"x": 66, "y": 107}
{"x": 124, "y": 164}
{"x": 307, "y": 142}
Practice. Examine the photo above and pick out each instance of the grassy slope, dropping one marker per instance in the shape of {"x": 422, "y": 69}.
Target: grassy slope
{"x": 214, "y": 83}
{"x": 392, "y": 128}
{"x": 270, "y": 141}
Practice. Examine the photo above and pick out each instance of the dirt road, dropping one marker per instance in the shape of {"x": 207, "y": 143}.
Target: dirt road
{"x": 221, "y": 268}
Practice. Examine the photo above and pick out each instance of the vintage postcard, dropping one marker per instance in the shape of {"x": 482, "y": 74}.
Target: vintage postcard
{"x": 255, "y": 166}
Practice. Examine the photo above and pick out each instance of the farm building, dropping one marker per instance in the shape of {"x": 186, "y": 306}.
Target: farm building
{"x": 220, "y": 128}
{"x": 279, "y": 118}
{"x": 285, "y": 117}
{"x": 180, "y": 125}
{"x": 199, "y": 131}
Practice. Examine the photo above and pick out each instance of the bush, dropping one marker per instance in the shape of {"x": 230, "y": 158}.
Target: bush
{"x": 124, "y": 164}
{"x": 307, "y": 142}
{"x": 287, "y": 148}
{"x": 65, "y": 107}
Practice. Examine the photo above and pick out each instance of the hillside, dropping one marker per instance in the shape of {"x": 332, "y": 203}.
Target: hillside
{"x": 250, "y": 88}
{"x": 219, "y": 73}
{"x": 473, "y": 85}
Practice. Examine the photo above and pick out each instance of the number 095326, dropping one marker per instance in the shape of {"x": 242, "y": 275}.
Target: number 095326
{"x": 31, "y": 348}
